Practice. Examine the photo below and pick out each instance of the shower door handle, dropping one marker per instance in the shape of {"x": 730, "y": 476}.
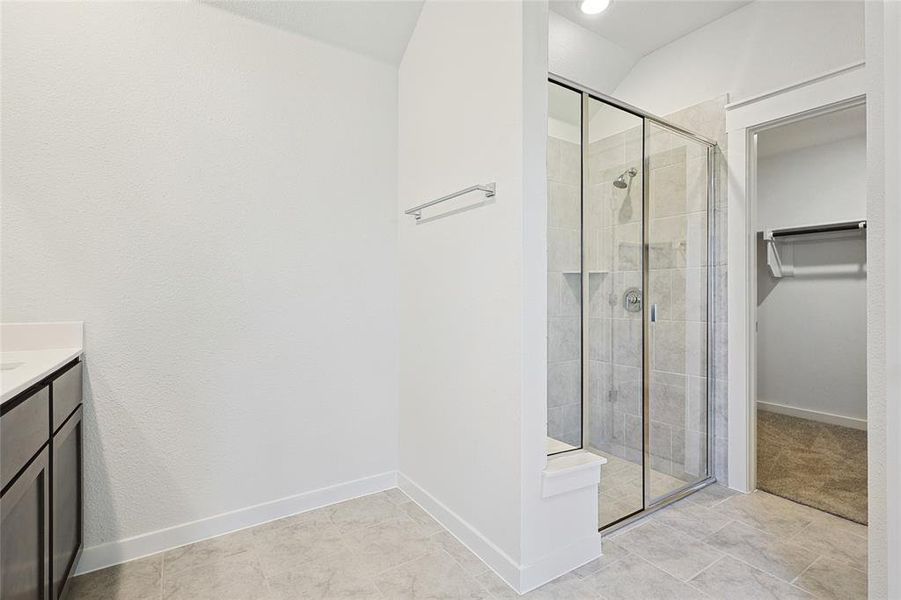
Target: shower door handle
{"x": 653, "y": 313}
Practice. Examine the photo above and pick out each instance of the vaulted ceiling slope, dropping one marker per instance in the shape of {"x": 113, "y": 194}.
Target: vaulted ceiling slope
{"x": 642, "y": 26}
{"x": 379, "y": 29}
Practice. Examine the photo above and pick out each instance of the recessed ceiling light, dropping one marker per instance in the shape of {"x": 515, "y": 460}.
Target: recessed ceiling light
{"x": 593, "y": 7}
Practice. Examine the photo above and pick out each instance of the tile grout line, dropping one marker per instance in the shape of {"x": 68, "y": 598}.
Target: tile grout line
{"x": 792, "y": 582}
{"x": 689, "y": 581}
{"x": 447, "y": 554}
{"x": 738, "y": 558}
{"x": 162, "y": 574}
{"x": 784, "y": 539}
{"x": 653, "y": 566}
{"x": 694, "y": 501}
{"x": 696, "y": 541}
{"x": 593, "y": 573}
{"x": 460, "y": 564}
{"x": 729, "y": 522}
{"x": 826, "y": 554}
{"x": 741, "y": 560}
{"x": 344, "y": 535}
{"x": 755, "y": 568}
{"x": 431, "y": 548}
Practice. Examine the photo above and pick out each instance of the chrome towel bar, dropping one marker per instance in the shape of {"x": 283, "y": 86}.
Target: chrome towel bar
{"x": 489, "y": 188}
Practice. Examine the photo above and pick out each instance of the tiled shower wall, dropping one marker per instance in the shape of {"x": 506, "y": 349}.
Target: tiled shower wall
{"x": 613, "y": 220}
{"x": 678, "y": 257}
{"x": 564, "y": 292}
{"x": 709, "y": 119}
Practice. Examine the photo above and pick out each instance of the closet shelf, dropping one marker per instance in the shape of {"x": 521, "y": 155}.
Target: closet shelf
{"x": 859, "y": 225}
{"x": 781, "y": 262}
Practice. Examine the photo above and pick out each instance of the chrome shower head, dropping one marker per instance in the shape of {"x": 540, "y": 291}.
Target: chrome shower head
{"x": 620, "y": 182}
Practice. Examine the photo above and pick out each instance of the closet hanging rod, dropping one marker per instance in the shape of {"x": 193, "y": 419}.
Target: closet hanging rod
{"x": 489, "y": 188}
{"x": 809, "y": 229}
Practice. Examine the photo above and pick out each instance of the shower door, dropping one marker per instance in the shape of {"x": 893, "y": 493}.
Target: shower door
{"x": 628, "y": 327}
{"x": 612, "y": 236}
{"x": 676, "y": 228}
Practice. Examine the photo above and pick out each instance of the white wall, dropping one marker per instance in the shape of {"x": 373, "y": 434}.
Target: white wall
{"x": 585, "y": 57}
{"x": 473, "y": 299}
{"x": 460, "y": 107}
{"x": 758, "y": 48}
{"x": 811, "y": 337}
{"x": 558, "y": 532}
{"x": 883, "y": 298}
{"x": 216, "y": 199}
{"x": 818, "y": 184}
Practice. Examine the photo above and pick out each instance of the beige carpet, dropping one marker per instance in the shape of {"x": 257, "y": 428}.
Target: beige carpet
{"x": 820, "y": 465}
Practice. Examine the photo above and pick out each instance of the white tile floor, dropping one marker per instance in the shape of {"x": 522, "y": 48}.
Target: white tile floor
{"x": 714, "y": 544}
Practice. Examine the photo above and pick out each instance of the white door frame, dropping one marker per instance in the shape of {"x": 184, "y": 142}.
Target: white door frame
{"x": 830, "y": 91}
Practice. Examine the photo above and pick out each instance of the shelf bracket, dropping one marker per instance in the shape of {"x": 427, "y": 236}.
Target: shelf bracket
{"x": 780, "y": 261}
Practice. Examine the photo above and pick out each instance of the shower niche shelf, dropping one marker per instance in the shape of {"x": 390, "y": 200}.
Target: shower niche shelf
{"x": 590, "y": 272}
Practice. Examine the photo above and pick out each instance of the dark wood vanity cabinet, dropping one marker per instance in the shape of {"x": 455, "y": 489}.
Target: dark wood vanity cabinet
{"x": 42, "y": 496}
{"x": 25, "y": 533}
{"x": 66, "y": 503}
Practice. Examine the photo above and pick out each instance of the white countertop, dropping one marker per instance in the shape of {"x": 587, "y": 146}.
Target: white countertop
{"x": 31, "y": 351}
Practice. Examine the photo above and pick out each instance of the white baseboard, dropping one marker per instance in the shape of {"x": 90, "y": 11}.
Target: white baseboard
{"x": 813, "y": 415}
{"x": 559, "y": 563}
{"x": 522, "y": 578}
{"x": 502, "y": 564}
{"x": 113, "y": 553}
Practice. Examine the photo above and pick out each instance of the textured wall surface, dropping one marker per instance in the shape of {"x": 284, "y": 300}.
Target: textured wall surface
{"x": 758, "y": 48}
{"x": 461, "y": 306}
{"x": 883, "y": 47}
{"x": 216, "y": 199}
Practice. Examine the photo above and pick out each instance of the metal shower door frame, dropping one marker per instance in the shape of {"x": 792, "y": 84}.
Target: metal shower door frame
{"x": 648, "y": 503}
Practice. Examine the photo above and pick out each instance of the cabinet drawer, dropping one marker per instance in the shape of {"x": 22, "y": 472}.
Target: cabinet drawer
{"x": 24, "y": 429}
{"x": 66, "y": 394}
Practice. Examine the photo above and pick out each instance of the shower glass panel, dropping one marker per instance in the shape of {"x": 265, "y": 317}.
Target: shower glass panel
{"x": 612, "y": 240}
{"x": 677, "y": 327}
{"x": 564, "y": 278}
{"x": 629, "y": 225}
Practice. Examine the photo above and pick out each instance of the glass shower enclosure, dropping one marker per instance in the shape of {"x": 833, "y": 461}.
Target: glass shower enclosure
{"x": 630, "y": 225}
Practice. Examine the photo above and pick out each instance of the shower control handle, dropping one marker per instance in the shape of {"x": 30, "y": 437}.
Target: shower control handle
{"x": 653, "y": 313}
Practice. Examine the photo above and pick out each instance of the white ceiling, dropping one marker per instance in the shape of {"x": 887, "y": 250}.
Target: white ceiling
{"x": 815, "y": 131}
{"x": 642, "y": 26}
{"x": 380, "y": 29}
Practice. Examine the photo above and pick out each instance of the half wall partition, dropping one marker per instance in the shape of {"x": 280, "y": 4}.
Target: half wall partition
{"x": 630, "y": 226}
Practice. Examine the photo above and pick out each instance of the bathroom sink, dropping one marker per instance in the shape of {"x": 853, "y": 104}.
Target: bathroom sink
{"x": 9, "y": 366}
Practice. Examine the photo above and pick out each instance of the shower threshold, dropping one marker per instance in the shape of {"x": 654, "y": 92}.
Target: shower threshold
{"x": 658, "y": 504}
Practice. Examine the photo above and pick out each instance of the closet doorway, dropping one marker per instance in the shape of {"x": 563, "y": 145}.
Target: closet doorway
{"x": 811, "y": 308}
